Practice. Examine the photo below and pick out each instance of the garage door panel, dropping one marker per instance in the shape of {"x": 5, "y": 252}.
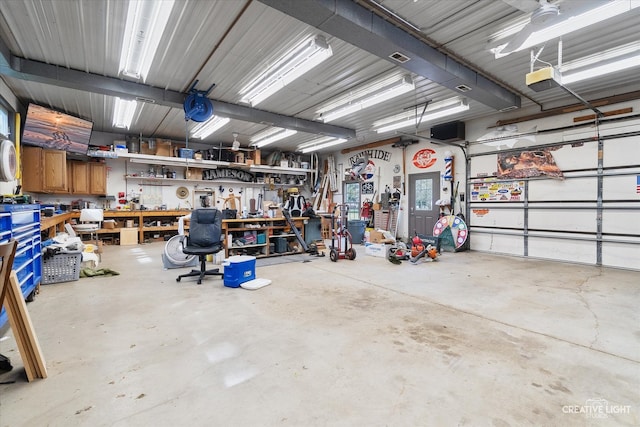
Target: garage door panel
{"x": 621, "y": 255}
{"x": 563, "y": 250}
{"x": 621, "y": 187}
{"x": 497, "y": 243}
{"x": 572, "y": 158}
{"x": 489, "y": 217}
{"x": 557, "y": 190}
{"x": 563, "y": 220}
{"x": 619, "y": 222}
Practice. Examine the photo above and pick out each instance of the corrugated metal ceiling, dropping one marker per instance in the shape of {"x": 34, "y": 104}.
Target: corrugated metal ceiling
{"x": 228, "y": 42}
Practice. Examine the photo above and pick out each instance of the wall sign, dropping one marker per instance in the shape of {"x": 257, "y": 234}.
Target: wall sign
{"x": 228, "y": 173}
{"x": 490, "y": 190}
{"x": 367, "y": 188}
{"x": 371, "y": 154}
{"x": 424, "y": 158}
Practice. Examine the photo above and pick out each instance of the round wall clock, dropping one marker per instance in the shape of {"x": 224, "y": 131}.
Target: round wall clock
{"x": 396, "y": 169}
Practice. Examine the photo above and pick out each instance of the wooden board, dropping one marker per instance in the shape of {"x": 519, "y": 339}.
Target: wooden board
{"x": 25, "y": 336}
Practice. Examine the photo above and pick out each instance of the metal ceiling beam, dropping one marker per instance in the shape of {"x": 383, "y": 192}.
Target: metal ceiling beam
{"x": 25, "y": 69}
{"x": 363, "y": 28}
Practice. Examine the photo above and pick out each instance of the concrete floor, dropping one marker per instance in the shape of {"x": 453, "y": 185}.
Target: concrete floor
{"x": 470, "y": 340}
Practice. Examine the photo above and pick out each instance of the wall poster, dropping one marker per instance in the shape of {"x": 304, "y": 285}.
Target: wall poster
{"x": 527, "y": 164}
{"x": 489, "y": 190}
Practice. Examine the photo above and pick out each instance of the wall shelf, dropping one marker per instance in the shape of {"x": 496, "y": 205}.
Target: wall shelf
{"x": 151, "y": 159}
{"x": 213, "y": 182}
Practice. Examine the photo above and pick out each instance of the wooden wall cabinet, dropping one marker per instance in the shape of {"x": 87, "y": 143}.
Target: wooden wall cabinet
{"x": 79, "y": 177}
{"x": 48, "y": 171}
{"x": 97, "y": 178}
{"x": 44, "y": 171}
{"x": 54, "y": 165}
{"x": 87, "y": 178}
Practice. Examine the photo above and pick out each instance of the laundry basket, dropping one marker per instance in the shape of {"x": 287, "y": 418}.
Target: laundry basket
{"x": 61, "y": 267}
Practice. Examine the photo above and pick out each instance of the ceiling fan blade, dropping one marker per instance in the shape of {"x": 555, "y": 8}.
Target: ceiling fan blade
{"x": 518, "y": 39}
{"x": 523, "y": 5}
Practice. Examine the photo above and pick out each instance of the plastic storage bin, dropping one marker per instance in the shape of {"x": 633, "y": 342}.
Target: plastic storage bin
{"x": 239, "y": 269}
{"x": 281, "y": 245}
{"x": 185, "y": 153}
{"x": 61, "y": 267}
{"x": 356, "y": 228}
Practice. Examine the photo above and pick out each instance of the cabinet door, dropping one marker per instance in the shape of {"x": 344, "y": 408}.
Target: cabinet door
{"x": 98, "y": 178}
{"x": 54, "y": 164}
{"x": 79, "y": 183}
{"x": 32, "y": 169}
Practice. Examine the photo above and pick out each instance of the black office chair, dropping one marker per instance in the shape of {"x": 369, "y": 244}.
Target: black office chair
{"x": 205, "y": 229}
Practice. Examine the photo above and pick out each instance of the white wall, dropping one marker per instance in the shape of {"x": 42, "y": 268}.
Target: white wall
{"x": 388, "y": 158}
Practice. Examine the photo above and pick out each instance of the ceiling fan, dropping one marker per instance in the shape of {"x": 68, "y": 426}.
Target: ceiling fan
{"x": 543, "y": 14}
{"x": 235, "y": 145}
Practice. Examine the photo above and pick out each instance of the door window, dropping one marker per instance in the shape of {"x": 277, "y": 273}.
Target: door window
{"x": 423, "y": 195}
{"x": 352, "y": 199}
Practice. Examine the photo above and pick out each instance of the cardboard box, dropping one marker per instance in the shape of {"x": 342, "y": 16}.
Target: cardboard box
{"x": 148, "y": 147}
{"x": 175, "y": 148}
{"x": 163, "y": 147}
{"x": 193, "y": 173}
{"x": 109, "y": 224}
{"x": 376, "y": 236}
{"x": 255, "y": 156}
{"x": 376, "y": 249}
{"x": 128, "y": 236}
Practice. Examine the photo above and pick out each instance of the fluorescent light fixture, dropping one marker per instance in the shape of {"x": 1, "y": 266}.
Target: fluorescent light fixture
{"x": 270, "y": 136}
{"x": 204, "y": 129}
{"x": 319, "y": 143}
{"x": 433, "y": 112}
{"x": 290, "y": 66}
{"x": 606, "y": 62}
{"x": 146, "y": 21}
{"x": 571, "y": 24}
{"x": 123, "y": 112}
{"x": 367, "y": 96}
{"x": 600, "y": 70}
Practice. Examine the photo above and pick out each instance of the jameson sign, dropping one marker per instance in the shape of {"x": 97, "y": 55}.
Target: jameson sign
{"x": 371, "y": 155}
{"x": 240, "y": 175}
